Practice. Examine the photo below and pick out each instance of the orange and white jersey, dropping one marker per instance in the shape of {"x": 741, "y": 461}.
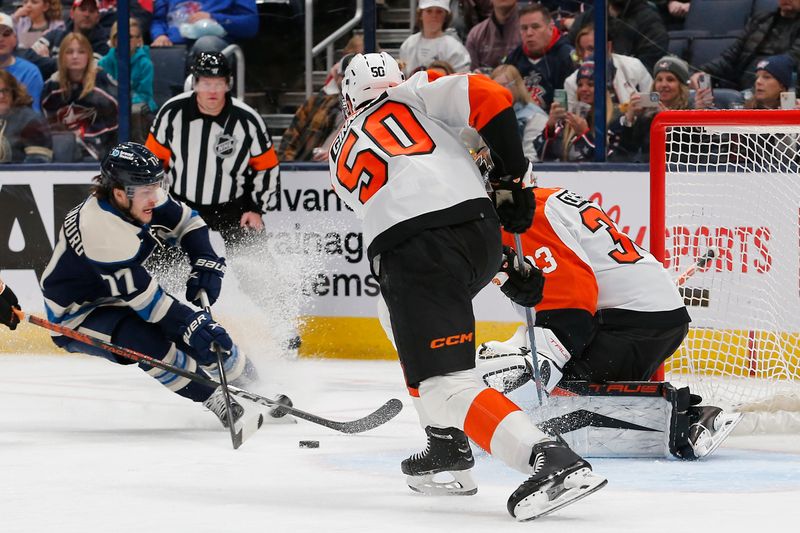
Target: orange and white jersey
{"x": 400, "y": 164}
{"x": 590, "y": 265}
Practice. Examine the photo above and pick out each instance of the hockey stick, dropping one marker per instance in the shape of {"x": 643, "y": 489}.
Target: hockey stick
{"x": 701, "y": 262}
{"x": 378, "y": 417}
{"x": 537, "y": 377}
{"x": 236, "y": 438}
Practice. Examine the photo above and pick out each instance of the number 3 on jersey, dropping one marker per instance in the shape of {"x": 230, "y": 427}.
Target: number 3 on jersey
{"x": 394, "y": 129}
{"x": 595, "y": 219}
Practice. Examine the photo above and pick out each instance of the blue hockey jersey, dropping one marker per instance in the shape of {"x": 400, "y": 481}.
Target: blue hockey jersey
{"x": 98, "y": 261}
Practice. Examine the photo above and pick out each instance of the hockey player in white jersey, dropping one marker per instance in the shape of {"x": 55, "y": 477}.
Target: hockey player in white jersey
{"x": 96, "y": 283}
{"x": 433, "y": 241}
{"x": 609, "y": 314}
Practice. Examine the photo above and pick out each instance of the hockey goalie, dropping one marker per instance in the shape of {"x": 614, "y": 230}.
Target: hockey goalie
{"x": 609, "y": 317}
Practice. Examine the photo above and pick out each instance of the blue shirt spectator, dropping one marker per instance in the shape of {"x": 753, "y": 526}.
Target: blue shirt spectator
{"x": 24, "y": 71}
{"x": 238, "y": 19}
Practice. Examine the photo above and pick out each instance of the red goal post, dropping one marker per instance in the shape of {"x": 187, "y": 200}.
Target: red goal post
{"x": 725, "y": 207}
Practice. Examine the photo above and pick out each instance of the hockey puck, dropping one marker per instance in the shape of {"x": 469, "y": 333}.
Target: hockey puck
{"x": 309, "y": 444}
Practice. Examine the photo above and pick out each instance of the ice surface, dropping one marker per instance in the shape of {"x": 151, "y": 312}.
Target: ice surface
{"x": 87, "y": 446}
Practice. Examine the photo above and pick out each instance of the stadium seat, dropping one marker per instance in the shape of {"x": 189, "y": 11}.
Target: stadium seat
{"x": 764, "y": 5}
{"x": 728, "y": 99}
{"x": 702, "y": 50}
{"x": 64, "y": 147}
{"x": 718, "y": 17}
{"x": 679, "y": 47}
{"x": 169, "y": 65}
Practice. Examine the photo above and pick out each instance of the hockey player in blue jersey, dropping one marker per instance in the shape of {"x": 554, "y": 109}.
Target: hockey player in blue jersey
{"x": 96, "y": 283}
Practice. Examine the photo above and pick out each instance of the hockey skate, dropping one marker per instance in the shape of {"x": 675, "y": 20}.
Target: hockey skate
{"x": 560, "y": 477}
{"x": 216, "y": 404}
{"x": 239, "y": 370}
{"x": 708, "y": 427}
{"x": 448, "y": 451}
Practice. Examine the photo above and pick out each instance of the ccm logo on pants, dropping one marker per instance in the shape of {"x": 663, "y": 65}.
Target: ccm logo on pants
{"x": 452, "y": 340}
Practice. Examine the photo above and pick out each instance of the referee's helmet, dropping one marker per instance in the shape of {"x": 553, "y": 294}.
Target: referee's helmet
{"x": 366, "y": 77}
{"x": 130, "y": 165}
{"x": 213, "y": 65}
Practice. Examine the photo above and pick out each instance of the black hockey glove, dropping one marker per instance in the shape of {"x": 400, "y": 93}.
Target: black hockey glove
{"x": 207, "y": 274}
{"x": 200, "y": 333}
{"x": 8, "y": 302}
{"x": 523, "y": 284}
{"x": 513, "y": 199}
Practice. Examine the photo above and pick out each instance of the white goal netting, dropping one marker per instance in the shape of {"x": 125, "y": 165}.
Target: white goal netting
{"x": 732, "y": 196}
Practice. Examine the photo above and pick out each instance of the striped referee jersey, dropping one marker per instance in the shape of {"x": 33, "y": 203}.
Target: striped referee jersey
{"x": 215, "y": 160}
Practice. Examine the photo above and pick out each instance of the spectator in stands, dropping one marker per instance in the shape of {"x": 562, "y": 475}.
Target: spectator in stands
{"x": 441, "y": 67}
{"x": 531, "y": 118}
{"x": 469, "y": 13}
{"x": 84, "y": 18}
{"x": 569, "y": 136}
{"x": 773, "y": 76}
{"x": 491, "y": 40}
{"x": 565, "y": 11}
{"x": 143, "y": 105}
{"x": 181, "y": 22}
{"x": 628, "y": 75}
{"x": 544, "y": 59}
{"x": 81, "y": 99}
{"x": 766, "y": 34}
{"x": 673, "y": 12}
{"x": 314, "y": 121}
{"x": 431, "y": 43}
{"x": 25, "y": 72}
{"x": 141, "y": 66}
{"x": 35, "y": 18}
{"x": 671, "y": 78}
{"x": 638, "y": 30}
{"x": 24, "y": 135}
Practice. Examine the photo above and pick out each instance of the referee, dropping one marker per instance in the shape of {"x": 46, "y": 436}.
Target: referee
{"x": 217, "y": 151}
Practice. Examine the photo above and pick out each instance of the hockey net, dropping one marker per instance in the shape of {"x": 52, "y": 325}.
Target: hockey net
{"x": 725, "y": 220}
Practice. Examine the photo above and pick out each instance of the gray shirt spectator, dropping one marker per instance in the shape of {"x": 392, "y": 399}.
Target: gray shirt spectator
{"x": 489, "y": 41}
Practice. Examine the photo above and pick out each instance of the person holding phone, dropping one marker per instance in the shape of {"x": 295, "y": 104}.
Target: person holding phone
{"x": 670, "y": 90}
{"x": 569, "y": 133}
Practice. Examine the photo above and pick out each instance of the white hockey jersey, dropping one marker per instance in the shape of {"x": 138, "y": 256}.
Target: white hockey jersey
{"x": 590, "y": 265}
{"x": 400, "y": 164}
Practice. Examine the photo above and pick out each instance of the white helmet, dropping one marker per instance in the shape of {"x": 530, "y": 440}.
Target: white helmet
{"x": 366, "y": 77}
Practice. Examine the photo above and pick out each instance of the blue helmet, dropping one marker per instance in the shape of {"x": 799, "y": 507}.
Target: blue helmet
{"x": 130, "y": 165}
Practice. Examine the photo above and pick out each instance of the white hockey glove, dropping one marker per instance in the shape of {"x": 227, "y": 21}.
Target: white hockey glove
{"x": 506, "y": 367}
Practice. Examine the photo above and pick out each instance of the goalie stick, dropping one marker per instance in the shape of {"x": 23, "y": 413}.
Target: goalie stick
{"x": 376, "y": 418}
{"x": 537, "y": 377}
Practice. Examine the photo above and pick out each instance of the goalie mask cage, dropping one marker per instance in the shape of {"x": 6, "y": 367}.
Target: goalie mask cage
{"x": 728, "y": 182}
